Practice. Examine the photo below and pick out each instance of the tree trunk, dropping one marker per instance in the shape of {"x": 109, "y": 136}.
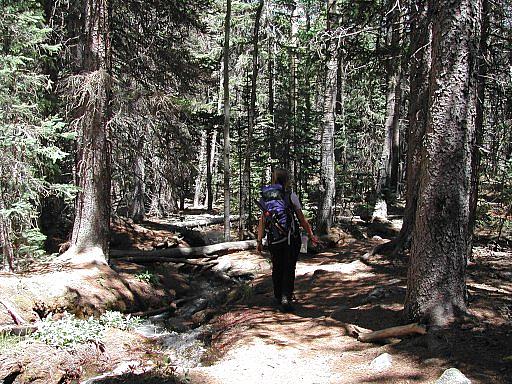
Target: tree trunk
{"x": 227, "y": 192}
{"x": 245, "y": 203}
{"x": 420, "y": 62}
{"x": 91, "y": 226}
{"x": 210, "y": 157}
{"x": 479, "y": 123}
{"x": 303, "y": 180}
{"x": 388, "y": 172}
{"x": 5, "y": 241}
{"x": 327, "y": 175}
{"x": 436, "y": 287}
{"x": 271, "y": 128}
{"x": 293, "y": 91}
{"x": 137, "y": 210}
{"x": 201, "y": 170}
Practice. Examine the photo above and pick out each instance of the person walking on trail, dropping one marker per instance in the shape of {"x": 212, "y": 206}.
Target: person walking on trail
{"x": 281, "y": 209}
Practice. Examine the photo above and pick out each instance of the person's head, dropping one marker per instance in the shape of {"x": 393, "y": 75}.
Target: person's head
{"x": 281, "y": 176}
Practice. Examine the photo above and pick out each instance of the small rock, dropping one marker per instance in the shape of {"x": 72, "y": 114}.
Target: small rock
{"x": 203, "y": 316}
{"x": 381, "y": 362}
{"x": 377, "y": 238}
{"x": 453, "y": 376}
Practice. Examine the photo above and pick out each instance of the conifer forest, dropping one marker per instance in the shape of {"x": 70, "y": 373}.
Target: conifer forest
{"x": 136, "y": 137}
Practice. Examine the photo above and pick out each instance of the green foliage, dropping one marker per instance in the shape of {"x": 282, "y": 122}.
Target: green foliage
{"x": 114, "y": 319}
{"x": 29, "y": 142}
{"x": 70, "y": 331}
{"x": 147, "y": 277}
{"x": 9, "y": 342}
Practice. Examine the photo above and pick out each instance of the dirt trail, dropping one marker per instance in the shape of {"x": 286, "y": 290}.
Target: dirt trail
{"x": 253, "y": 342}
{"x": 311, "y": 345}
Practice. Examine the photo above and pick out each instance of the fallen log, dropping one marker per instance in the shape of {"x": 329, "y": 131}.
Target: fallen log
{"x": 14, "y": 314}
{"x": 160, "y": 259}
{"x": 187, "y": 253}
{"x": 403, "y": 330}
{"x": 203, "y": 222}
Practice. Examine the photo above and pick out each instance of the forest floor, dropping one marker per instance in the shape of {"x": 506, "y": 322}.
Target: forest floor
{"x": 250, "y": 341}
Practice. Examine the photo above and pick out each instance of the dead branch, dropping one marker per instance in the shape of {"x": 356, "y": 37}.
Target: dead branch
{"x": 403, "y": 330}
{"x": 14, "y": 314}
{"x": 354, "y": 330}
{"x": 187, "y": 253}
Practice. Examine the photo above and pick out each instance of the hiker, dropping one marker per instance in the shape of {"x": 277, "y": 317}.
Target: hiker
{"x": 280, "y": 208}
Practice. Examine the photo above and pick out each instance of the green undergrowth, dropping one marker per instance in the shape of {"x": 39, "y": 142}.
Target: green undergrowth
{"x": 70, "y": 331}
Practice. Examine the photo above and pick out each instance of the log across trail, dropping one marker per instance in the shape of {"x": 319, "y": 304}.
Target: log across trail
{"x": 186, "y": 253}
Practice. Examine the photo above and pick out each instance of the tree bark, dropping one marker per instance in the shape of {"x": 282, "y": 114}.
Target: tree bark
{"x": 227, "y": 192}
{"x": 91, "y": 225}
{"x": 436, "y": 287}
{"x": 327, "y": 174}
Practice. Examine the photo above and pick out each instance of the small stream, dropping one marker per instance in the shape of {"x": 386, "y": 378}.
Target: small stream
{"x": 183, "y": 346}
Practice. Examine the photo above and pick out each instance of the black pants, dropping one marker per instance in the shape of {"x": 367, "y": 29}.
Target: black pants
{"x": 284, "y": 260}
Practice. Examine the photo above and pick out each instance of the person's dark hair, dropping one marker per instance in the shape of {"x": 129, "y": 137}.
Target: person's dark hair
{"x": 281, "y": 176}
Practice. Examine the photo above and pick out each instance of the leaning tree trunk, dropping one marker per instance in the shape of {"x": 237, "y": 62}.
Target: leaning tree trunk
{"x": 227, "y": 173}
{"x": 436, "y": 287}
{"x": 91, "y": 225}
{"x": 327, "y": 181}
{"x": 420, "y": 61}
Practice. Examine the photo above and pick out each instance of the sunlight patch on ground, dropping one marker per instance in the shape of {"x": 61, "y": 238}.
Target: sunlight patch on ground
{"x": 347, "y": 268}
{"x": 259, "y": 362}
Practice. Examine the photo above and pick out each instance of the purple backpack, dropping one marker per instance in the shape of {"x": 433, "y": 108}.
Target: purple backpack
{"x": 280, "y": 223}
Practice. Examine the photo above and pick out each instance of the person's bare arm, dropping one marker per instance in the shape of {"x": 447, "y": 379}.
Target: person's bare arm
{"x": 261, "y": 228}
{"x": 305, "y": 224}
